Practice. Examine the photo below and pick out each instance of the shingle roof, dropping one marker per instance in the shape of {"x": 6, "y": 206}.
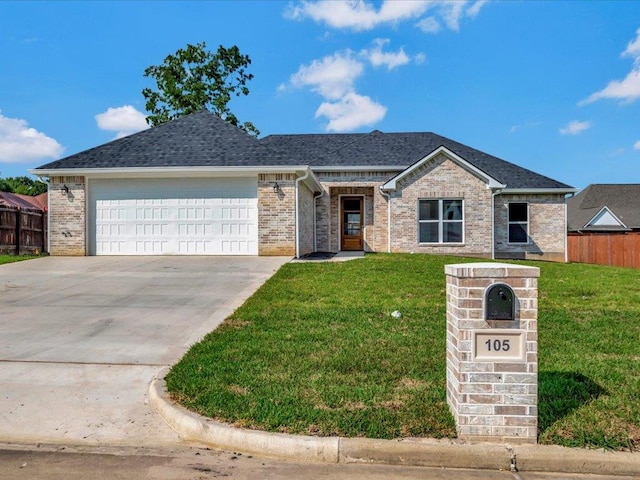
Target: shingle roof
{"x": 203, "y": 139}
{"x": 621, "y": 199}
{"x": 402, "y": 150}
{"x": 196, "y": 140}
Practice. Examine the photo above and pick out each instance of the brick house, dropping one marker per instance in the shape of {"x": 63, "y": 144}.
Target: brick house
{"x": 199, "y": 186}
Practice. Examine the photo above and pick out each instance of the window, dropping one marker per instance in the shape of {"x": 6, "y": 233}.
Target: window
{"x": 518, "y": 223}
{"x": 440, "y": 221}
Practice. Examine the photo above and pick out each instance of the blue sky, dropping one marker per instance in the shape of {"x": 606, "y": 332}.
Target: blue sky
{"x": 551, "y": 86}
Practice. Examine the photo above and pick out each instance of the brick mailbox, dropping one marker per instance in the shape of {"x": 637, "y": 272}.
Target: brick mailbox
{"x": 492, "y": 351}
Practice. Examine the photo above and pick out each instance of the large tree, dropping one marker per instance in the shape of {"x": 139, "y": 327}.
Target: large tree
{"x": 22, "y": 185}
{"x": 194, "y": 79}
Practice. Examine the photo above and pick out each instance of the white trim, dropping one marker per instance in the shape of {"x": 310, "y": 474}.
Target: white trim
{"x": 604, "y": 209}
{"x": 491, "y": 182}
{"x": 538, "y": 191}
{"x": 509, "y": 222}
{"x": 168, "y": 171}
{"x": 441, "y": 221}
{"x": 364, "y": 216}
{"x": 363, "y": 168}
{"x": 388, "y": 195}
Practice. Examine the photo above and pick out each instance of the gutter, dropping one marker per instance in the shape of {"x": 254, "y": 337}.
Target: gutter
{"x": 493, "y": 222}
{"x": 315, "y": 227}
{"x": 46, "y": 182}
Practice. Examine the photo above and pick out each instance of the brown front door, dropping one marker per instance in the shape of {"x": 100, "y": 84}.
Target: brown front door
{"x": 351, "y": 223}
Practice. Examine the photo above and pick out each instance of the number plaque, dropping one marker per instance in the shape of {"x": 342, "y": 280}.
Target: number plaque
{"x": 498, "y": 344}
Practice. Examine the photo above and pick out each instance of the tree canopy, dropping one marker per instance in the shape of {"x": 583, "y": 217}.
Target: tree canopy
{"x": 22, "y": 185}
{"x": 194, "y": 79}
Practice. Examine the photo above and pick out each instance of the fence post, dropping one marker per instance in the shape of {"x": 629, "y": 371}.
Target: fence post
{"x": 18, "y": 231}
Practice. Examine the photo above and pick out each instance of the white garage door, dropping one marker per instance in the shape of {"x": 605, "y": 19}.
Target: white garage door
{"x": 202, "y": 216}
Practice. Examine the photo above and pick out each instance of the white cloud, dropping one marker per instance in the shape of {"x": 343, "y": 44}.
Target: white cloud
{"x": 350, "y": 112}
{"x": 574, "y": 127}
{"x": 628, "y": 89}
{"x": 636, "y": 146}
{"x": 332, "y": 77}
{"x": 521, "y": 126}
{"x": 451, "y": 13}
{"x": 474, "y": 9}
{"x": 633, "y": 48}
{"x": 361, "y": 15}
{"x": 379, "y": 58}
{"x": 358, "y": 14}
{"x": 124, "y": 120}
{"x": 420, "y": 58}
{"x": 20, "y": 143}
{"x": 429, "y": 25}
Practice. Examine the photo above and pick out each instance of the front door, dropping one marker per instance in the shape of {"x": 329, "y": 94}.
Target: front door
{"x": 351, "y": 223}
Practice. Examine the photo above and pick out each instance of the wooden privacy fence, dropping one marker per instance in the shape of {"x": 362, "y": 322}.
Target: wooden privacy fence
{"x": 22, "y": 231}
{"x": 618, "y": 249}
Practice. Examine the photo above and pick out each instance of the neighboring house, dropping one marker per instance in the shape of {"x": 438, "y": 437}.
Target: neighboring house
{"x": 199, "y": 186}
{"x": 28, "y": 202}
{"x": 604, "y": 225}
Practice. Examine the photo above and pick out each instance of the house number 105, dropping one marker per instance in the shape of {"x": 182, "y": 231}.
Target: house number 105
{"x": 492, "y": 345}
{"x": 497, "y": 345}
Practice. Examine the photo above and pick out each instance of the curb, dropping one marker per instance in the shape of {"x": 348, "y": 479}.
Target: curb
{"x": 406, "y": 452}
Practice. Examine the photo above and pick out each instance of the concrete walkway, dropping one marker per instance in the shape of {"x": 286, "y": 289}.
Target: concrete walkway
{"x": 81, "y": 338}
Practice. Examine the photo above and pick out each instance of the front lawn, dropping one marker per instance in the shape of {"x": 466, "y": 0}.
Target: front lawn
{"x": 316, "y": 351}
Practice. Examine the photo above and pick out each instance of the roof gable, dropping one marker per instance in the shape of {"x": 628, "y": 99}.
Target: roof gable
{"x": 491, "y": 182}
{"x": 605, "y": 218}
{"x": 590, "y": 209}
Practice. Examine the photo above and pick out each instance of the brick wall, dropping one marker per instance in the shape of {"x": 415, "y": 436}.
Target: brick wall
{"x": 276, "y": 215}
{"x": 547, "y": 227}
{"x": 441, "y": 178}
{"x": 366, "y": 184}
{"x": 492, "y": 399}
{"x": 67, "y": 216}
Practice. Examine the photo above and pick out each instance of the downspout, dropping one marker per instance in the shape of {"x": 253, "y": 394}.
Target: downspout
{"x": 315, "y": 226}
{"x": 46, "y": 182}
{"x": 388, "y": 195}
{"x": 566, "y": 239}
{"x": 298, "y": 180}
{"x": 493, "y": 223}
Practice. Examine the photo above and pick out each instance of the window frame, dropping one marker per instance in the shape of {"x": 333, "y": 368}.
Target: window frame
{"x": 518, "y": 222}
{"x": 441, "y": 221}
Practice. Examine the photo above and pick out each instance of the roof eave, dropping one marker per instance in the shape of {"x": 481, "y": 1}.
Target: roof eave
{"x": 167, "y": 171}
{"x": 539, "y": 191}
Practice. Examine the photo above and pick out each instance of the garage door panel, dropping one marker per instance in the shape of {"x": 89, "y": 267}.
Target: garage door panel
{"x": 155, "y": 217}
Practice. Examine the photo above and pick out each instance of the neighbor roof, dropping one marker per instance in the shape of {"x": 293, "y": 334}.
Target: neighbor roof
{"x": 28, "y": 202}
{"x": 623, "y": 200}
{"x": 205, "y": 140}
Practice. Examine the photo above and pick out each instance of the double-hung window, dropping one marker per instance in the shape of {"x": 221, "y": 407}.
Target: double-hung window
{"x": 440, "y": 221}
{"x": 518, "y": 222}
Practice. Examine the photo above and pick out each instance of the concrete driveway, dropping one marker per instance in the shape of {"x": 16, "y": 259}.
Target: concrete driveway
{"x": 82, "y": 337}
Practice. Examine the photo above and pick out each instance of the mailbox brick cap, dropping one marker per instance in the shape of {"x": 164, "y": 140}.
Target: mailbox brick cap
{"x": 491, "y": 270}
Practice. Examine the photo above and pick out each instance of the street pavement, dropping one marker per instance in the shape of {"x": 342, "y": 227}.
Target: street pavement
{"x": 193, "y": 463}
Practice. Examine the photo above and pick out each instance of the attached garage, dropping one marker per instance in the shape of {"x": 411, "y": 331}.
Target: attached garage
{"x": 173, "y": 216}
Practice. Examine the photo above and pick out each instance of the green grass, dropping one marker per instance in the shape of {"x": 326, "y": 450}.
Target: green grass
{"x": 15, "y": 258}
{"x": 316, "y": 351}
